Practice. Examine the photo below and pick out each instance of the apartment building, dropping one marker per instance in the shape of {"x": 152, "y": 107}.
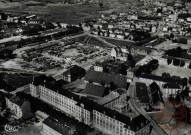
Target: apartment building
{"x": 20, "y": 108}
{"x": 115, "y": 123}
{"x": 102, "y": 118}
{"x": 63, "y": 100}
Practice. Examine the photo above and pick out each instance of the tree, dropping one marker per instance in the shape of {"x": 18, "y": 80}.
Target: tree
{"x": 101, "y": 5}
{"x": 184, "y": 93}
{"x": 184, "y": 81}
{"x": 123, "y": 70}
{"x": 177, "y": 98}
{"x": 129, "y": 57}
{"x": 167, "y": 75}
{"x": 176, "y": 62}
{"x": 169, "y": 61}
{"x": 112, "y": 86}
{"x": 189, "y": 81}
{"x": 182, "y": 63}
{"x": 189, "y": 66}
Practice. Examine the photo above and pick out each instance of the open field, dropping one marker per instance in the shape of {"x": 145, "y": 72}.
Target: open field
{"x": 6, "y": 4}
{"x": 72, "y": 14}
{"x": 170, "y": 45}
{"x": 174, "y": 71}
{"x": 118, "y": 42}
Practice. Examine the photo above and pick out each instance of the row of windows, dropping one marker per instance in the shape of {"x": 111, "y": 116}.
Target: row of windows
{"x": 65, "y": 104}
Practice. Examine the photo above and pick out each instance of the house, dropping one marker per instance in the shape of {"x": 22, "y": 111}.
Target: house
{"x": 119, "y": 53}
{"x": 155, "y": 95}
{"x": 95, "y": 90}
{"x": 171, "y": 89}
{"x": 115, "y": 123}
{"x": 142, "y": 95}
{"x": 21, "y": 108}
{"x": 74, "y": 73}
{"x": 165, "y": 29}
{"x": 139, "y": 50}
{"x": 53, "y": 127}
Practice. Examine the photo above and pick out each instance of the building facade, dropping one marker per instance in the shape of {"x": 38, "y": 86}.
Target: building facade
{"x": 63, "y": 103}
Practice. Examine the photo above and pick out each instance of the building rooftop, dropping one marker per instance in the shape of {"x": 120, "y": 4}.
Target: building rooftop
{"x": 16, "y": 100}
{"x": 94, "y": 90}
{"x": 120, "y": 81}
{"x": 141, "y": 92}
{"x": 112, "y": 96}
{"x": 74, "y": 70}
{"x": 131, "y": 123}
{"x": 50, "y": 122}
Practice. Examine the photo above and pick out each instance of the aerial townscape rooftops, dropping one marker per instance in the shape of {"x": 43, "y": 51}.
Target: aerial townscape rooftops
{"x": 95, "y": 67}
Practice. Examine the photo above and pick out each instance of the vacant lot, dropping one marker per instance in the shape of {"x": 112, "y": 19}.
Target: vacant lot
{"x": 174, "y": 71}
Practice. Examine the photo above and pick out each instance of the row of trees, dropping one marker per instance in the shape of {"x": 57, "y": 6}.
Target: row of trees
{"x": 147, "y": 68}
{"x": 176, "y": 62}
{"x": 6, "y": 54}
{"x": 177, "y": 52}
{"x": 71, "y": 31}
{"x": 23, "y": 42}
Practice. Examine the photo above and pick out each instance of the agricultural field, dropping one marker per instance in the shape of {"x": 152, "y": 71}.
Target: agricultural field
{"x": 62, "y": 12}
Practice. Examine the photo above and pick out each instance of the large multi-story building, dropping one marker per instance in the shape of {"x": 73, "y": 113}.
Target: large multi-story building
{"x": 85, "y": 110}
{"x": 63, "y": 100}
{"x": 20, "y": 107}
{"x": 115, "y": 123}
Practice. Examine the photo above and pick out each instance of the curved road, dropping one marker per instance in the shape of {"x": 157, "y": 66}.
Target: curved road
{"x": 139, "y": 110}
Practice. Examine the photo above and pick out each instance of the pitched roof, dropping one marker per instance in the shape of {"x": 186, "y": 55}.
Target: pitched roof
{"x": 17, "y": 100}
{"x": 50, "y": 122}
{"x": 133, "y": 123}
{"x": 74, "y": 70}
{"x": 142, "y": 93}
{"x": 101, "y": 77}
{"x": 94, "y": 90}
{"x": 91, "y": 105}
